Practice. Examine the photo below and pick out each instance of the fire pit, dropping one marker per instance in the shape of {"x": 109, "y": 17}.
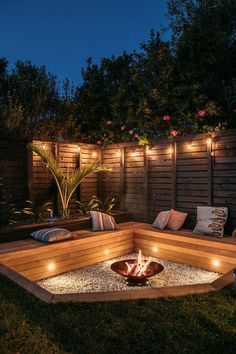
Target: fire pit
{"x": 137, "y": 271}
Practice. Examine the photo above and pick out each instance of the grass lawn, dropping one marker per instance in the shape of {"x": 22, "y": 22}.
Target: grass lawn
{"x": 191, "y": 324}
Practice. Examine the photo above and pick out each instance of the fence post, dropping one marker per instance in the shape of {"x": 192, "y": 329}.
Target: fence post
{"x": 122, "y": 178}
{"x": 145, "y": 181}
{"x": 209, "y": 172}
{"x": 173, "y": 179}
{"x": 30, "y": 171}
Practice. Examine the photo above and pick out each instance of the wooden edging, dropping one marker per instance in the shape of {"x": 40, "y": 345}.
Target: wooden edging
{"x": 133, "y": 294}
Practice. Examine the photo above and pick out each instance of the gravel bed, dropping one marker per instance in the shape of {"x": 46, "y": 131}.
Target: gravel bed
{"x": 100, "y": 277}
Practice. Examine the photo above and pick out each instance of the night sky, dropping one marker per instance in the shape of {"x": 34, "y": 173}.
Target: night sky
{"x": 62, "y": 34}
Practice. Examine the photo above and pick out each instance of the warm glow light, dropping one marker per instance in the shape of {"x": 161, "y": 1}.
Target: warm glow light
{"x": 78, "y": 148}
{"x": 190, "y": 146}
{"x": 44, "y": 146}
{"x": 51, "y": 266}
{"x": 170, "y": 150}
{"x": 133, "y": 153}
{"x": 155, "y": 249}
{"x": 107, "y": 252}
{"x": 118, "y": 153}
{"x": 216, "y": 263}
{"x": 94, "y": 154}
{"x": 209, "y": 140}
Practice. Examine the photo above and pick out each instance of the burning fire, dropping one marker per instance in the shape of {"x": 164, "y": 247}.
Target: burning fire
{"x": 139, "y": 267}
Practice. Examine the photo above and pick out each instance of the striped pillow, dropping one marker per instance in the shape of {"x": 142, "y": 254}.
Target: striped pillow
{"x": 51, "y": 235}
{"x": 101, "y": 221}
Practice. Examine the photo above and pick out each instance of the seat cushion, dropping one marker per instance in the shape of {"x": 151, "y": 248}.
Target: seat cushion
{"x": 162, "y": 219}
{"x": 211, "y": 221}
{"x": 102, "y": 221}
{"x": 176, "y": 220}
{"x": 51, "y": 234}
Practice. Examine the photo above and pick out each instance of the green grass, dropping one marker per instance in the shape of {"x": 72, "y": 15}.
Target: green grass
{"x": 191, "y": 324}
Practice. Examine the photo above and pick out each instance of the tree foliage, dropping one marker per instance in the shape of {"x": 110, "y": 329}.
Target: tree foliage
{"x": 186, "y": 84}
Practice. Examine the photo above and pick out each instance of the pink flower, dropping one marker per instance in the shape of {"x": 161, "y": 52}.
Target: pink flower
{"x": 136, "y": 136}
{"x": 131, "y": 131}
{"x": 174, "y": 132}
{"x": 122, "y": 128}
{"x": 201, "y": 113}
{"x": 99, "y": 142}
{"x": 109, "y": 122}
{"x": 167, "y": 118}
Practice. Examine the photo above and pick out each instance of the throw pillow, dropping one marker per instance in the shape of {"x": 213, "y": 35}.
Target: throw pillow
{"x": 211, "y": 221}
{"x": 162, "y": 219}
{"x": 51, "y": 235}
{"x": 101, "y": 221}
{"x": 176, "y": 220}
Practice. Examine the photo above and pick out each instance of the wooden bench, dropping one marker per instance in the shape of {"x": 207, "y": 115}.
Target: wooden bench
{"x": 36, "y": 260}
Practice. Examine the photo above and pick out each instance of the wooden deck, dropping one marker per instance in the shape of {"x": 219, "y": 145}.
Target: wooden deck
{"x": 29, "y": 261}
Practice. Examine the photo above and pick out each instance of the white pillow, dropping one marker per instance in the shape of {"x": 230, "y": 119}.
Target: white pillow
{"x": 162, "y": 219}
{"x": 211, "y": 221}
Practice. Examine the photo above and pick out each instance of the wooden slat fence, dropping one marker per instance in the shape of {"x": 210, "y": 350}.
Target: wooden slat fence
{"x": 191, "y": 171}
{"x": 181, "y": 174}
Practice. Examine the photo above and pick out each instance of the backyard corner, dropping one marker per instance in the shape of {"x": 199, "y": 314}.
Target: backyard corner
{"x": 118, "y": 177}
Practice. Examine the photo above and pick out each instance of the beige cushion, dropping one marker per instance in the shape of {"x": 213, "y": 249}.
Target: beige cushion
{"x": 101, "y": 221}
{"x": 162, "y": 219}
{"x": 176, "y": 220}
{"x": 211, "y": 221}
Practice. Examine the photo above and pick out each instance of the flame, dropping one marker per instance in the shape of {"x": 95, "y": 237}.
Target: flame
{"x": 139, "y": 267}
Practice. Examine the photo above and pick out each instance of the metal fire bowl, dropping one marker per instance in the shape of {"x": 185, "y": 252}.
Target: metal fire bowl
{"x": 121, "y": 268}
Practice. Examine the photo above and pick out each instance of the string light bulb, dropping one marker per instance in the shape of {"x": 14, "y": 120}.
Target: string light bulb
{"x": 94, "y": 154}
{"x": 118, "y": 153}
{"x": 78, "y": 148}
{"x": 170, "y": 150}
{"x": 209, "y": 141}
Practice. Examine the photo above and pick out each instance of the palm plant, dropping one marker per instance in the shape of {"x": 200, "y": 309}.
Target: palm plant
{"x": 84, "y": 208}
{"x": 105, "y": 205}
{"x": 66, "y": 183}
{"x": 37, "y": 210}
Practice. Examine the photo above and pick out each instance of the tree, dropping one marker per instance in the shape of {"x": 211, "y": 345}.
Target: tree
{"x": 204, "y": 45}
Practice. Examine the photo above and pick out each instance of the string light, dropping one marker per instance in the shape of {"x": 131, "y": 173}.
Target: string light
{"x": 78, "y": 148}
{"x": 209, "y": 141}
{"x": 170, "y": 150}
{"x": 118, "y": 153}
{"x": 94, "y": 154}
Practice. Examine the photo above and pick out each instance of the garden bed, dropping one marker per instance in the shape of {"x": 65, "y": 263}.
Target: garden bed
{"x": 22, "y": 232}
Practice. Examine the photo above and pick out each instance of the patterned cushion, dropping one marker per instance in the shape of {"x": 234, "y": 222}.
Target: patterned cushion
{"x": 211, "y": 221}
{"x": 51, "y": 234}
{"x": 176, "y": 220}
{"x": 162, "y": 219}
{"x": 101, "y": 221}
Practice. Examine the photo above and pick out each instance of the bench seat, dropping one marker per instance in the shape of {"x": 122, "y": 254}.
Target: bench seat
{"x": 35, "y": 260}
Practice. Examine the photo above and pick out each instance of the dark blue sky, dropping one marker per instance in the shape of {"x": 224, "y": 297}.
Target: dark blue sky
{"x": 62, "y": 34}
